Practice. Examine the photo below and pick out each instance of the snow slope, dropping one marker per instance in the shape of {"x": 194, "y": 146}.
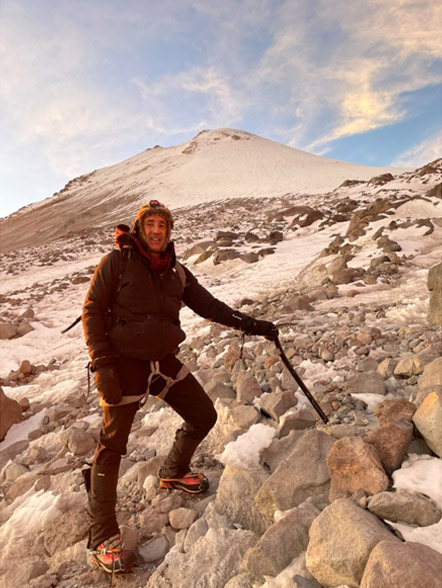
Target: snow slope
{"x": 215, "y": 165}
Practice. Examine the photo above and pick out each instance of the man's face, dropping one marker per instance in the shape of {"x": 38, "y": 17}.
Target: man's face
{"x": 155, "y": 232}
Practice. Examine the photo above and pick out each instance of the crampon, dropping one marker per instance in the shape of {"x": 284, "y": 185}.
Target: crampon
{"x": 113, "y": 557}
{"x": 191, "y": 483}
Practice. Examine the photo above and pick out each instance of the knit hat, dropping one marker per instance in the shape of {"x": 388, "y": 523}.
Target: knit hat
{"x": 151, "y": 208}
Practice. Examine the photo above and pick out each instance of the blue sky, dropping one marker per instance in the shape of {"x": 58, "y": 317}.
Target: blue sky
{"x": 88, "y": 83}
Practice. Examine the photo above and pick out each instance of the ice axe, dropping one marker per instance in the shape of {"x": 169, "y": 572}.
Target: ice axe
{"x": 299, "y": 381}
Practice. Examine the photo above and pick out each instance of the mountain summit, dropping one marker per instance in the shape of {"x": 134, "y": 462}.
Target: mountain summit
{"x": 214, "y": 165}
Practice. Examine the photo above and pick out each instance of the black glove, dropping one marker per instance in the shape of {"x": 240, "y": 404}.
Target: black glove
{"x": 251, "y": 326}
{"x": 108, "y": 384}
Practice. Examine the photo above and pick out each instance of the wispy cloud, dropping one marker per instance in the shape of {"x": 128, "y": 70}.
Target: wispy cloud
{"x": 87, "y": 83}
{"x": 427, "y": 151}
{"x": 173, "y": 96}
{"x": 351, "y": 80}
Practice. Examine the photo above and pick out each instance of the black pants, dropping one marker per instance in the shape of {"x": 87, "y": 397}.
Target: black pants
{"x": 186, "y": 397}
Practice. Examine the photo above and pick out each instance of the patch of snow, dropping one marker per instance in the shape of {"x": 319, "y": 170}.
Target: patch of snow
{"x": 245, "y": 451}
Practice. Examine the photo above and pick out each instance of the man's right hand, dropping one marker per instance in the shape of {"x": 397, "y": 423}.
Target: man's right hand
{"x": 108, "y": 384}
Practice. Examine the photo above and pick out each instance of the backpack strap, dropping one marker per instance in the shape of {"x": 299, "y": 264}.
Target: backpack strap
{"x": 181, "y": 273}
{"x": 123, "y": 259}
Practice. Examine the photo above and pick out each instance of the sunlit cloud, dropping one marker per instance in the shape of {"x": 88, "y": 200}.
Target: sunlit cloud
{"x": 88, "y": 83}
{"x": 167, "y": 99}
{"x": 354, "y": 83}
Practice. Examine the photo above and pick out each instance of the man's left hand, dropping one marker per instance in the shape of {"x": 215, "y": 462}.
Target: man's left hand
{"x": 264, "y": 329}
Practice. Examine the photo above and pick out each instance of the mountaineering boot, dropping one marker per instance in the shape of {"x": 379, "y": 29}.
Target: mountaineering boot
{"x": 112, "y": 556}
{"x": 191, "y": 483}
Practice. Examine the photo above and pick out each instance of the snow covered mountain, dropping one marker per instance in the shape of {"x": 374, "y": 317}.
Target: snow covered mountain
{"x": 215, "y": 165}
{"x": 342, "y": 267}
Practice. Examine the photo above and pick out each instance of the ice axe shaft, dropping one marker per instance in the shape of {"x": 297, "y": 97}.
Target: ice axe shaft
{"x": 299, "y": 381}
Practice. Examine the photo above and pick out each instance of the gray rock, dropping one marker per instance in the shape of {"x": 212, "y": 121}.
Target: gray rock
{"x": 434, "y": 284}
{"x": 299, "y": 303}
{"x": 355, "y": 465}
{"x": 410, "y": 366}
{"x": 366, "y": 383}
{"x": 250, "y": 257}
{"x": 277, "y": 403}
{"x": 386, "y": 367}
{"x": 21, "y": 575}
{"x": 198, "y": 249}
{"x": 154, "y": 550}
{"x": 392, "y": 564}
{"x": 341, "y": 540}
{"x": 247, "y": 387}
{"x": 182, "y": 518}
{"x": 197, "y": 530}
{"x": 235, "y": 497}
{"x": 367, "y": 365}
{"x": 406, "y": 507}
{"x": 21, "y": 485}
{"x": 245, "y": 416}
{"x": 27, "y": 314}
{"x": 23, "y": 328}
{"x": 11, "y": 451}
{"x": 242, "y": 580}
{"x": 78, "y": 442}
{"x": 221, "y": 255}
{"x": 7, "y": 330}
{"x": 216, "y": 390}
{"x": 279, "y": 449}
{"x": 428, "y": 421}
{"x": 151, "y": 522}
{"x": 302, "y": 474}
{"x": 37, "y": 455}
{"x": 199, "y": 562}
{"x": 281, "y": 543}
{"x": 74, "y": 524}
{"x": 14, "y": 470}
{"x": 300, "y": 419}
{"x": 432, "y": 375}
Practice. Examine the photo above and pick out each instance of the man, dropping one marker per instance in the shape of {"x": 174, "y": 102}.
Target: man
{"x": 132, "y": 329}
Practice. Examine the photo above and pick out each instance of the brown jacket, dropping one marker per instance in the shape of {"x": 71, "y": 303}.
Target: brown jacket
{"x": 136, "y": 314}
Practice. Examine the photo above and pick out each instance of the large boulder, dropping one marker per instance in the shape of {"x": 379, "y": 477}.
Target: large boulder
{"x": 434, "y": 284}
{"x": 11, "y": 413}
{"x": 366, "y": 383}
{"x": 406, "y": 507}
{"x": 281, "y": 543}
{"x": 199, "y": 567}
{"x": 355, "y": 465}
{"x": 409, "y": 366}
{"x": 391, "y": 442}
{"x": 7, "y": 330}
{"x": 405, "y": 565}
{"x": 432, "y": 376}
{"x": 235, "y": 497}
{"x": 428, "y": 421}
{"x": 341, "y": 540}
{"x": 75, "y": 525}
{"x": 393, "y": 410}
{"x": 302, "y": 474}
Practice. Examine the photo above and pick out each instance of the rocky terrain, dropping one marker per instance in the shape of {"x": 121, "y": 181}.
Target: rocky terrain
{"x": 354, "y": 281}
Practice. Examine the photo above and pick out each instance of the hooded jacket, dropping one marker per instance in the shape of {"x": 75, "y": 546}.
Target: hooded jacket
{"x": 134, "y": 311}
